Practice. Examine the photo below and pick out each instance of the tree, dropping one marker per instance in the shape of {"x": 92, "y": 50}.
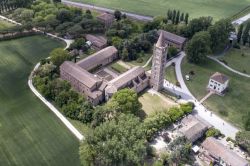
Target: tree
{"x": 239, "y": 35}
{"x": 64, "y": 15}
{"x": 198, "y": 47}
{"x": 198, "y": 24}
{"x": 243, "y": 140}
{"x": 127, "y": 101}
{"x": 172, "y": 51}
{"x": 186, "y": 18}
{"x": 245, "y": 36}
{"x": 58, "y": 56}
{"x": 212, "y": 132}
{"x": 219, "y": 34}
{"x": 182, "y": 17}
{"x": 120, "y": 141}
{"x": 118, "y": 15}
{"x": 177, "y": 19}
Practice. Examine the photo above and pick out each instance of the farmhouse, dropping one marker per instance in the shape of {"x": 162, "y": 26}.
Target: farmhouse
{"x": 134, "y": 78}
{"x": 99, "y": 59}
{"x": 218, "y": 83}
{"x": 106, "y": 18}
{"x": 174, "y": 40}
{"x": 98, "y": 42}
{"x": 193, "y": 128}
{"x": 215, "y": 152}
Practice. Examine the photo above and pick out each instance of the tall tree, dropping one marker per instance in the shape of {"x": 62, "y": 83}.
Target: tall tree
{"x": 219, "y": 34}
{"x": 245, "y": 36}
{"x": 182, "y": 17}
{"x": 239, "y": 35}
{"x": 120, "y": 141}
{"x": 198, "y": 47}
{"x": 186, "y": 18}
{"x": 118, "y": 15}
{"x": 174, "y": 16}
{"x": 177, "y": 19}
{"x": 58, "y": 56}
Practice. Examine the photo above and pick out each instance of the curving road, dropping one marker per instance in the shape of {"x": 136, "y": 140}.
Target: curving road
{"x": 102, "y": 9}
{"x": 200, "y": 110}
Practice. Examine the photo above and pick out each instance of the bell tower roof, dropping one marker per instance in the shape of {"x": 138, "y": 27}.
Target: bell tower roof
{"x": 160, "y": 42}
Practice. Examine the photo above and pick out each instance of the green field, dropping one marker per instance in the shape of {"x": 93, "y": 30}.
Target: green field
{"x": 196, "y": 8}
{"x": 238, "y": 59}
{"x": 234, "y": 105}
{"x": 118, "y": 68}
{"x": 30, "y": 134}
{"x": 5, "y": 24}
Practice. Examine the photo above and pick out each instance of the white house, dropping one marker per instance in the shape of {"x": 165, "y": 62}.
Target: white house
{"x": 218, "y": 83}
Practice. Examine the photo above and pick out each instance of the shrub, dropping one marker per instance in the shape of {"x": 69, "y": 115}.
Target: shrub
{"x": 212, "y": 132}
{"x": 223, "y": 112}
{"x": 139, "y": 60}
{"x": 237, "y": 46}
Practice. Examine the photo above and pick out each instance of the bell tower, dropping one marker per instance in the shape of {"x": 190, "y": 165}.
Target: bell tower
{"x": 158, "y": 64}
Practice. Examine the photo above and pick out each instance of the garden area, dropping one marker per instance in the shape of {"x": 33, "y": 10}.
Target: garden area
{"x": 118, "y": 68}
{"x": 30, "y": 133}
{"x": 238, "y": 59}
{"x": 234, "y": 105}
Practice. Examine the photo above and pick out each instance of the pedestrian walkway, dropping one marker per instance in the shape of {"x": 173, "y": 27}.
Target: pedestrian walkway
{"x": 206, "y": 97}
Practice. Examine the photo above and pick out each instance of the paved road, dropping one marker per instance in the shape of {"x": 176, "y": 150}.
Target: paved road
{"x": 103, "y": 9}
{"x": 200, "y": 110}
{"x": 229, "y": 68}
{"x": 241, "y": 20}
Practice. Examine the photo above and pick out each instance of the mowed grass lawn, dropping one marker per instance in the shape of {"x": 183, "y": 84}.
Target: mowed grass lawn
{"x": 196, "y": 8}
{"x": 238, "y": 59}
{"x": 170, "y": 74}
{"x": 234, "y": 106}
{"x": 30, "y": 134}
{"x": 151, "y": 103}
{"x": 5, "y": 24}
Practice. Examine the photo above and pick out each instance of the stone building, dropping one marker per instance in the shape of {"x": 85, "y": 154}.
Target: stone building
{"x": 158, "y": 64}
{"x": 83, "y": 81}
{"x": 99, "y": 59}
{"x": 94, "y": 87}
{"x": 193, "y": 128}
{"x": 106, "y": 18}
{"x": 134, "y": 78}
{"x": 218, "y": 83}
{"x": 215, "y": 152}
{"x": 97, "y": 42}
{"x": 174, "y": 40}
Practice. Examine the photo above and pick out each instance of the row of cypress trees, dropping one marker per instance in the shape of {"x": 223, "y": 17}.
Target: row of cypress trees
{"x": 7, "y": 5}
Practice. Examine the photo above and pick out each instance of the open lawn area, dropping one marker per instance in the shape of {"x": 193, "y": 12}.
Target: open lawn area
{"x": 118, "y": 68}
{"x": 30, "y": 134}
{"x": 141, "y": 61}
{"x": 196, "y": 8}
{"x": 151, "y": 103}
{"x": 5, "y": 24}
{"x": 170, "y": 74}
{"x": 234, "y": 106}
{"x": 238, "y": 59}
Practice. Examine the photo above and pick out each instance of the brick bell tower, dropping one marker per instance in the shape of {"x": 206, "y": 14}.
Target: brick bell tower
{"x": 158, "y": 64}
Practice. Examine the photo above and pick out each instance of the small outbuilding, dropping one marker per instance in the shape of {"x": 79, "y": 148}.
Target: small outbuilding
{"x": 106, "y": 18}
{"x": 96, "y": 41}
{"x": 218, "y": 83}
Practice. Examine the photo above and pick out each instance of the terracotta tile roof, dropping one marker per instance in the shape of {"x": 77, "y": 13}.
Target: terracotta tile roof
{"x": 93, "y": 60}
{"x": 124, "y": 78}
{"x": 96, "y": 40}
{"x": 193, "y": 127}
{"x": 106, "y": 16}
{"x": 80, "y": 74}
{"x": 221, "y": 78}
{"x": 172, "y": 37}
{"x": 218, "y": 150}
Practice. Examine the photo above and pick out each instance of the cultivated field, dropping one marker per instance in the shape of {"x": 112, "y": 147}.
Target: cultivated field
{"x": 29, "y": 133}
{"x": 196, "y": 8}
{"x": 235, "y": 105}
